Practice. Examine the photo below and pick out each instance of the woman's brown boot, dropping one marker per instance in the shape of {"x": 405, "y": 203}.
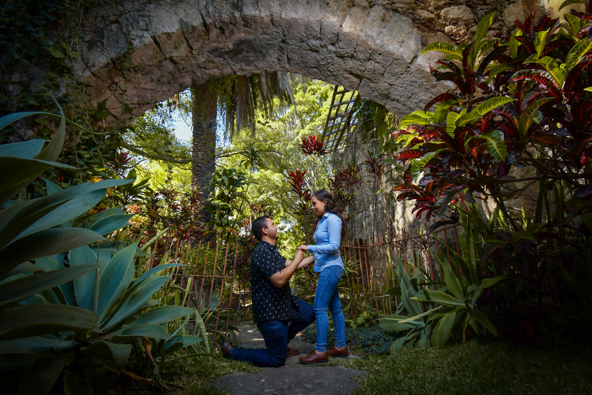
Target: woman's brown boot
{"x": 334, "y": 352}
{"x": 313, "y": 357}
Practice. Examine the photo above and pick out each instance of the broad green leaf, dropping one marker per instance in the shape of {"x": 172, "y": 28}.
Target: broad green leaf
{"x": 577, "y": 51}
{"x": 483, "y": 320}
{"x": 21, "y": 288}
{"x": 415, "y": 318}
{"x": 524, "y": 234}
{"x": 417, "y": 165}
{"x": 36, "y": 320}
{"x": 161, "y": 315}
{"x": 115, "y": 278}
{"x": 514, "y": 44}
{"x": 18, "y": 172}
{"x": 13, "y": 215}
{"x": 433, "y": 296}
{"x": 393, "y": 324}
{"x": 540, "y": 41}
{"x": 451, "y": 281}
{"x": 136, "y": 300}
{"x": 483, "y": 109}
{"x": 34, "y": 344}
{"x": 155, "y": 270}
{"x": 11, "y": 118}
{"x": 483, "y": 26}
{"x": 84, "y": 286}
{"x": 65, "y": 212}
{"x": 52, "y": 187}
{"x": 442, "y": 329}
{"x": 414, "y": 119}
{"x": 558, "y": 72}
{"x": 52, "y": 150}
{"x": 451, "y": 119}
{"x": 588, "y": 89}
{"x": 151, "y": 331}
{"x": 570, "y": 2}
{"x": 178, "y": 342}
{"x": 490, "y": 282}
{"x": 23, "y": 268}
{"x": 443, "y": 47}
{"x": 494, "y": 143}
{"x": 574, "y": 23}
{"x": 111, "y": 223}
{"x": 44, "y": 243}
{"x": 118, "y": 352}
{"x": 25, "y": 149}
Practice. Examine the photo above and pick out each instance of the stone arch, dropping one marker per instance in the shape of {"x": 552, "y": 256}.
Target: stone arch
{"x": 140, "y": 52}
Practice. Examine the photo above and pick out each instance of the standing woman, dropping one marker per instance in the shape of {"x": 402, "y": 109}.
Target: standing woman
{"x": 329, "y": 265}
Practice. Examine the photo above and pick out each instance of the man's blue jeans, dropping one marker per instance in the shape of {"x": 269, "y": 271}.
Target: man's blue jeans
{"x": 327, "y": 296}
{"x": 277, "y": 335}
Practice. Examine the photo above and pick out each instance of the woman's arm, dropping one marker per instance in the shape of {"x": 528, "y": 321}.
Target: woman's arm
{"x": 334, "y": 230}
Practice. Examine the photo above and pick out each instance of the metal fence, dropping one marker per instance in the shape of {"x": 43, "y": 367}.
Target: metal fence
{"x": 371, "y": 266}
{"x": 208, "y": 280}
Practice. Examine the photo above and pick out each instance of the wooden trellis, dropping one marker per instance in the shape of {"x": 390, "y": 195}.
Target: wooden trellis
{"x": 341, "y": 120}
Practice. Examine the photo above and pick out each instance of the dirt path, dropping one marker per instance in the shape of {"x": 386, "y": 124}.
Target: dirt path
{"x": 291, "y": 379}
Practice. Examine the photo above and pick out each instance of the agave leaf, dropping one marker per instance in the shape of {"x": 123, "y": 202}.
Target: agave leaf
{"x": 135, "y": 301}
{"x": 161, "y": 315}
{"x": 483, "y": 320}
{"x": 115, "y": 278}
{"x": 83, "y": 286}
{"x": 36, "y": 320}
{"x": 443, "y": 47}
{"x": 443, "y": 328}
{"x": 433, "y": 296}
{"x": 65, "y": 212}
{"x": 24, "y": 149}
{"x": 21, "y": 288}
{"x": 34, "y": 344}
{"x": 151, "y": 331}
{"x": 119, "y": 352}
{"x": 44, "y": 243}
{"x": 111, "y": 223}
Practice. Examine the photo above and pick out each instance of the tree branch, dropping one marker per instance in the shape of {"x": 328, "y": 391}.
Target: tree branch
{"x": 152, "y": 156}
{"x": 139, "y": 151}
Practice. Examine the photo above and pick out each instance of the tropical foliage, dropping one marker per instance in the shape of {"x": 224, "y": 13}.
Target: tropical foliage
{"x": 519, "y": 120}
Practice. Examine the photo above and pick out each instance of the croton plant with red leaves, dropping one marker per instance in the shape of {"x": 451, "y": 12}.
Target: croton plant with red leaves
{"x": 521, "y": 100}
{"x": 313, "y": 145}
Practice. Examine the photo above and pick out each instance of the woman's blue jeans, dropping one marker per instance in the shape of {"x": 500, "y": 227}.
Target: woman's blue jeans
{"x": 327, "y": 297}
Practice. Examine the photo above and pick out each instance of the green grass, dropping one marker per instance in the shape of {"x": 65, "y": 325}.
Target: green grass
{"x": 474, "y": 368}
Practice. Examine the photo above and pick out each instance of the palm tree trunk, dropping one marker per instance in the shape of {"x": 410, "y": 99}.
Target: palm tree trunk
{"x": 205, "y": 111}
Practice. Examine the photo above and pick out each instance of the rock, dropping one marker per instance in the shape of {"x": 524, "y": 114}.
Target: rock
{"x": 458, "y": 14}
{"x": 426, "y": 16}
{"x": 514, "y": 12}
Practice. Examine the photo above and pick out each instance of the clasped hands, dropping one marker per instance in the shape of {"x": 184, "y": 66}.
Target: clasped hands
{"x": 306, "y": 261}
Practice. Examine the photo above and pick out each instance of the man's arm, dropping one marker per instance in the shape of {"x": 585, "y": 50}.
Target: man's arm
{"x": 304, "y": 264}
{"x": 283, "y": 276}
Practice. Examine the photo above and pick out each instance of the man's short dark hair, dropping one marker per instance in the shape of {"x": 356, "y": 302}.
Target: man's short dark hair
{"x": 258, "y": 225}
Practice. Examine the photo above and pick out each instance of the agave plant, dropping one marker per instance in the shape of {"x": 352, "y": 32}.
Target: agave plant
{"x": 87, "y": 316}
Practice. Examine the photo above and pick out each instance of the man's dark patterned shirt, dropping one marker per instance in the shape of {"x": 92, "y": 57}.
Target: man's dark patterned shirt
{"x": 269, "y": 302}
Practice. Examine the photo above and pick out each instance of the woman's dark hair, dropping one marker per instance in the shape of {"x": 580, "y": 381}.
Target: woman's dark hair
{"x": 325, "y": 196}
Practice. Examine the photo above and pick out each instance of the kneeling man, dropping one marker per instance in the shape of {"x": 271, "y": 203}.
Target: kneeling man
{"x": 278, "y": 315}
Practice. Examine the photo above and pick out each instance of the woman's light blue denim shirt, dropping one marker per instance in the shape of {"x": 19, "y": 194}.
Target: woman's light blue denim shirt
{"x": 328, "y": 239}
